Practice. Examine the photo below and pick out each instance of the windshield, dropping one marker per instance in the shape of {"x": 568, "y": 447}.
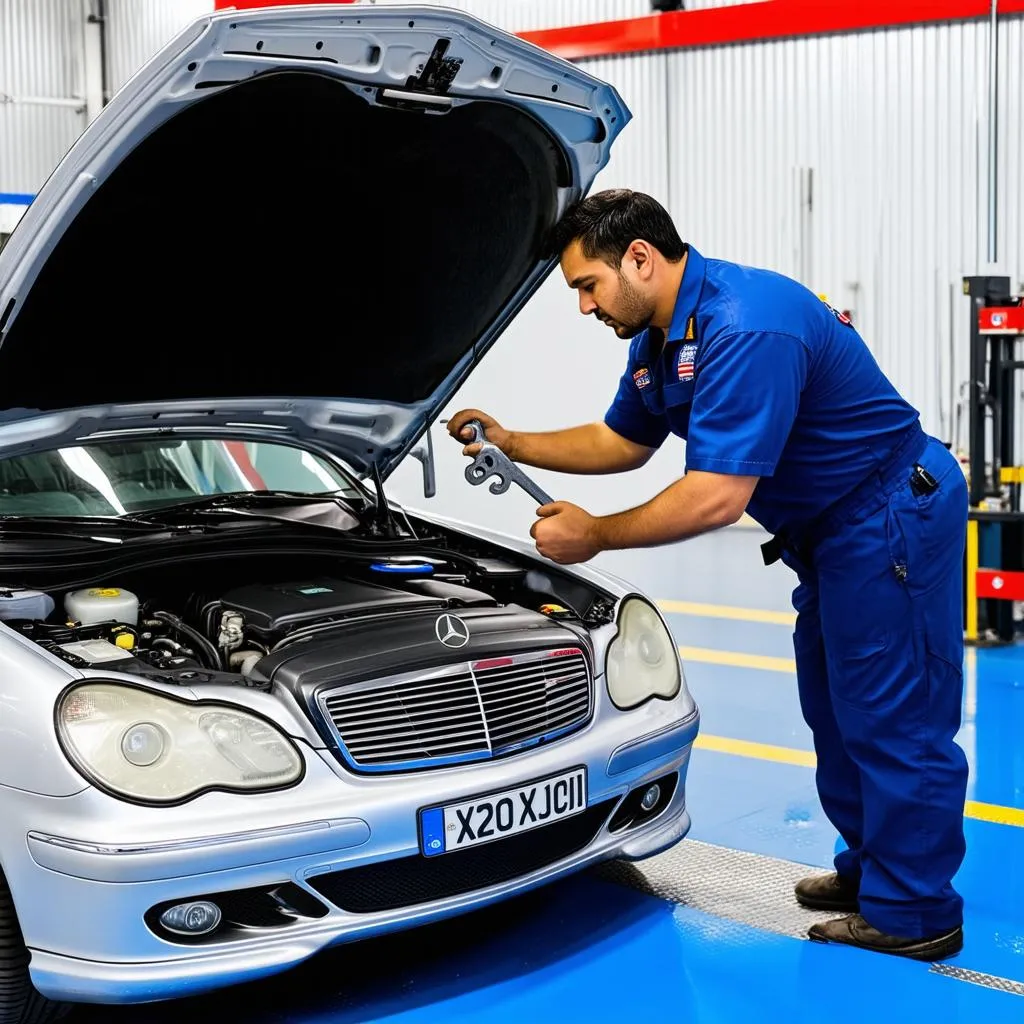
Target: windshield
{"x": 117, "y": 478}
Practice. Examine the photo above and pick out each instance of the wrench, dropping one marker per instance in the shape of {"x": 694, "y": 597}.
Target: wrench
{"x": 492, "y": 461}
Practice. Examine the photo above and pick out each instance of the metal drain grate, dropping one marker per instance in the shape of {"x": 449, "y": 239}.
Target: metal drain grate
{"x": 747, "y": 889}
{"x": 977, "y": 978}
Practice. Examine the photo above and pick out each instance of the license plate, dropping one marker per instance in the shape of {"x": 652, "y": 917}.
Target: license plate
{"x": 500, "y": 815}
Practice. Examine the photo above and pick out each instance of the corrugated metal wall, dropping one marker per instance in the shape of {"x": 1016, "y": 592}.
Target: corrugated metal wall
{"x": 39, "y": 58}
{"x": 858, "y": 165}
{"x": 138, "y": 30}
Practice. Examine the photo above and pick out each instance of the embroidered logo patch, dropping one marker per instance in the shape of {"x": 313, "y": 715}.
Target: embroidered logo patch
{"x": 684, "y": 365}
{"x": 642, "y": 377}
{"x": 841, "y": 317}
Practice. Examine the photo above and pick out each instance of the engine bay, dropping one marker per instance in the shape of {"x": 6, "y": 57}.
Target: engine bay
{"x": 220, "y": 618}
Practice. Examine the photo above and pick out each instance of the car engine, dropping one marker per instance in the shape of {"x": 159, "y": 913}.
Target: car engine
{"x": 297, "y": 618}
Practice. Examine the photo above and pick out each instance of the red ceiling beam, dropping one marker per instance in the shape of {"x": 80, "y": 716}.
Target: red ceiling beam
{"x": 739, "y": 23}
{"x": 770, "y": 19}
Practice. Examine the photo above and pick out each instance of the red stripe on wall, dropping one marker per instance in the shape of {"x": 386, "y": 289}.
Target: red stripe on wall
{"x": 771, "y": 19}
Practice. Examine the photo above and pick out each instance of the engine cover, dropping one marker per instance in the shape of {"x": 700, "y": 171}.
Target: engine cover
{"x": 273, "y": 610}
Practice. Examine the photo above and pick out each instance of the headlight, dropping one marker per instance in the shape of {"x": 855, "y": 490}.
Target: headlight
{"x": 160, "y": 750}
{"x": 642, "y": 661}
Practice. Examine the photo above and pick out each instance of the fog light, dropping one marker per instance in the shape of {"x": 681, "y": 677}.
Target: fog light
{"x": 196, "y": 918}
{"x": 650, "y": 798}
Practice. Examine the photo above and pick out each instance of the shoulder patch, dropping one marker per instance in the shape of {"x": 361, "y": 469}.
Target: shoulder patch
{"x": 685, "y": 362}
{"x": 642, "y": 377}
{"x": 841, "y": 317}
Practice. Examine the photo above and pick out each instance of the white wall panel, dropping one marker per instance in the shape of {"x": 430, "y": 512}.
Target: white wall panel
{"x": 39, "y": 58}
{"x": 138, "y": 30}
{"x": 857, "y": 164}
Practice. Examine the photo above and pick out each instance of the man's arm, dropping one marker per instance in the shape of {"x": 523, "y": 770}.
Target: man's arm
{"x": 591, "y": 448}
{"x": 587, "y": 449}
{"x": 698, "y": 503}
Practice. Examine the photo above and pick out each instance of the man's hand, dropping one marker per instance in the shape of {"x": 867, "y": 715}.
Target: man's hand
{"x": 565, "y": 533}
{"x": 493, "y": 431}
{"x": 696, "y": 504}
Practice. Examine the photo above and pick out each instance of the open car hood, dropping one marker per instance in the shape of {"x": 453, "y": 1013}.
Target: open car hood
{"x": 304, "y": 222}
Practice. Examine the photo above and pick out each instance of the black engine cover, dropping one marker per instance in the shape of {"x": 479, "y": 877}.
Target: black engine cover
{"x": 275, "y": 609}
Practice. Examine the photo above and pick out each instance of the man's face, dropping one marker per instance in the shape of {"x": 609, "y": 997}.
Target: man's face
{"x": 619, "y": 298}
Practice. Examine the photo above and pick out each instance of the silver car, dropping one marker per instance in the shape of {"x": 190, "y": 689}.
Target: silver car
{"x": 250, "y": 707}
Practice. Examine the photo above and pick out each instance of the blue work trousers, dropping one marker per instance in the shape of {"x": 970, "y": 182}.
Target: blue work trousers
{"x": 879, "y": 653}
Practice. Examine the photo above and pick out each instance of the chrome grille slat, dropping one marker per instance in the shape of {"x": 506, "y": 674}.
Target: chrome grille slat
{"x": 555, "y": 722}
{"x": 464, "y": 710}
{"x": 495, "y": 692}
{"x": 411, "y": 718}
{"x": 537, "y": 693}
{"x": 445, "y": 728}
{"x": 538, "y": 672}
{"x": 471, "y": 739}
{"x": 388, "y": 758}
{"x": 388, "y": 713}
{"x": 538, "y": 709}
{"x": 529, "y": 724}
{"x": 424, "y": 692}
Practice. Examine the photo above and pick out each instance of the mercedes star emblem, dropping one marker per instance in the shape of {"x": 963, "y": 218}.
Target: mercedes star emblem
{"x": 452, "y": 631}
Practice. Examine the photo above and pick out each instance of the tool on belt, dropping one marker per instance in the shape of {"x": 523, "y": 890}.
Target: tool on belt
{"x": 803, "y": 540}
{"x": 491, "y": 461}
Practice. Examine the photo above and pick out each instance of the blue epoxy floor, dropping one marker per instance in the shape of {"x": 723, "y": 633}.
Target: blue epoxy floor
{"x": 591, "y": 950}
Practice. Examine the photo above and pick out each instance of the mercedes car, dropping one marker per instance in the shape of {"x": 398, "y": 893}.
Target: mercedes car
{"x": 251, "y": 707}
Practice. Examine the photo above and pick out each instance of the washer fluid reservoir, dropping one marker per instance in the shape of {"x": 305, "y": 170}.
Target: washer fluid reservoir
{"x": 24, "y": 604}
{"x": 102, "y": 604}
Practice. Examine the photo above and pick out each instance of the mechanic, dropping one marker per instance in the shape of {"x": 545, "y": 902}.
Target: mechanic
{"x": 787, "y": 416}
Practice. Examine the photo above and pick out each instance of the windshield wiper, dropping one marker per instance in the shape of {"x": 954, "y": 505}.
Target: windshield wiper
{"x": 104, "y": 529}
{"x": 327, "y": 511}
{"x": 238, "y": 500}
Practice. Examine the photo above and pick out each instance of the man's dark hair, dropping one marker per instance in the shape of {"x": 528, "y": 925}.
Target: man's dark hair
{"x": 607, "y": 222}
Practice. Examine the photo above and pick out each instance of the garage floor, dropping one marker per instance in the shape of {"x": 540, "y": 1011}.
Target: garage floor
{"x": 707, "y": 932}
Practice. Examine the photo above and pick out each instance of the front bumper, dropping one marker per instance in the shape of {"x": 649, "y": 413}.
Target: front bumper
{"x": 102, "y": 951}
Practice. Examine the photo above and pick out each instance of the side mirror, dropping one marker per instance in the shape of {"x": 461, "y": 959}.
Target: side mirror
{"x": 424, "y": 451}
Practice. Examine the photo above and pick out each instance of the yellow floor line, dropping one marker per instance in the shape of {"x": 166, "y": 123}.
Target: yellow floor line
{"x": 727, "y": 611}
{"x": 994, "y": 812}
{"x": 761, "y": 751}
{"x": 805, "y": 758}
{"x": 712, "y": 656}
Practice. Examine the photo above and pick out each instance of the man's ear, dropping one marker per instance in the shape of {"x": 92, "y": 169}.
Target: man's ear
{"x": 639, "y": 258}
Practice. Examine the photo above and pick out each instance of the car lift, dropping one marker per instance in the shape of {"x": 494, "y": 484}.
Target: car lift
{"x": 994, "y": 576}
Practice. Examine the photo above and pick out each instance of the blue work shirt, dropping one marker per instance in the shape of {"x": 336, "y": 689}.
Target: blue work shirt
{"x": 762, "y": 378}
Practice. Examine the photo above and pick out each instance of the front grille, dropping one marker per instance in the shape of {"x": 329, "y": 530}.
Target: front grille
{"x": 470, "y": 711}
{"x": 408, "y": 881}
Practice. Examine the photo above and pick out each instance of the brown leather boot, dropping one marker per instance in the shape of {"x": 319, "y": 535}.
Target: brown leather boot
{"x": 828, "y": 892}
{"x": 855, "y": 931}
